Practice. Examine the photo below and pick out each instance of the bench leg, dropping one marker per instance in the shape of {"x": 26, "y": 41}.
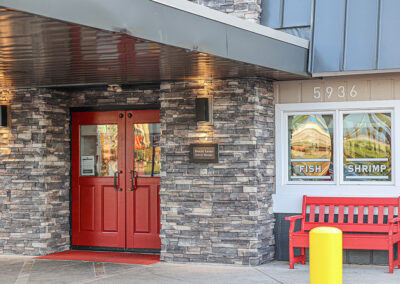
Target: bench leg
{"x": 291, "y": 256}
{"x": 303, "y": 254}
{"x": 391, "y": 258}
{"x": 398, "y": 254}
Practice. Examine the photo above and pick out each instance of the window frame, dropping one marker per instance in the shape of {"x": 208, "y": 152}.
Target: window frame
{"x": 338, "y": 108}
{"x": 287, "y": 197}
{"x": 340, "y": 144}
{"x": 286, "y": 150}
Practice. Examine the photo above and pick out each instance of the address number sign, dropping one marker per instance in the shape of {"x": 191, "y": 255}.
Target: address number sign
{"x": 330, "y": 91}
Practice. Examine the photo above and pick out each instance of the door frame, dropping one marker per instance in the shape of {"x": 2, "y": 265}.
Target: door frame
{"x": 155, "y": 106}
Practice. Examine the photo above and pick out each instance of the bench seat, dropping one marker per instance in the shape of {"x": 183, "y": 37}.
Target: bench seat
{"x": 350, "y": 241}
{"x": 366, "y": 223}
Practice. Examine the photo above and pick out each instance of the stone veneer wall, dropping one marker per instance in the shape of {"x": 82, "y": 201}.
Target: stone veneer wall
{"x": 128, "y": 96}
{"x": 34, "y": 173}
{"x": 219, "y": 212}
{"x": 246, "y": 9}
{"x": 35, "y": 164}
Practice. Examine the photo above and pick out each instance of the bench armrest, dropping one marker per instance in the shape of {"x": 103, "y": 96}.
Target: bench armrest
{"x": 292, "y": 218}
{"x": 395, "y": 220}
{"x": 292, "y": 221}
{"x": 392, "y": 222}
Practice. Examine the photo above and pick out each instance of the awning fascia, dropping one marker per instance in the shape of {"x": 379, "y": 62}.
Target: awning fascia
{"x": 181, "y": 24}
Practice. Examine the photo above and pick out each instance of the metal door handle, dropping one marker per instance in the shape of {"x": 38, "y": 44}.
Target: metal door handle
{"x": 133, "y": 180}
{"x": 115, "y": 180}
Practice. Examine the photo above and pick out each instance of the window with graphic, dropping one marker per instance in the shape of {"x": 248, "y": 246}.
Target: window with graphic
{"x": 310, "y": 147}
{"x": 98, "y": 150}
{"x": 367, "y": 147}
{"x": 147, "y": 149}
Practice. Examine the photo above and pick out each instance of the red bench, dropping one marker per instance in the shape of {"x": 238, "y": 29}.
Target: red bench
{"x": 375, "y": 228}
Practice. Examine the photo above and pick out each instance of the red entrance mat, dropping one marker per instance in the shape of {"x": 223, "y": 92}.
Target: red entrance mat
{"x": 95, "y": 256}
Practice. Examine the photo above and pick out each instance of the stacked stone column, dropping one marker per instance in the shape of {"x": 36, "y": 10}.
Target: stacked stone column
{"x": 34, "y": 175}
{"x": 219, "y": 212}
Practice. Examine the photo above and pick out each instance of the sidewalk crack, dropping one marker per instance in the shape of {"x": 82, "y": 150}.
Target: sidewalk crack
{"x": 25, "y": 272}
{"x": 269, "y": 276}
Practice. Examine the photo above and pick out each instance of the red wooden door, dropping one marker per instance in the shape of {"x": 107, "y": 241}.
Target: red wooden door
{"x": 98, "y": 152}
{"x": 143, "y": 154}
{"x": 108, "y": 208}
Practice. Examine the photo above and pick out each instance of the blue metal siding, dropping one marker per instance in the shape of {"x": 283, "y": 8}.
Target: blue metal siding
{"x": 271, "y": 13}
{"x": 389, "y": 41}
{"x": 355, "y": 35}
{"x": 296, "y": 13}
{"x": 303, "y": 32}
{"x": 329, "y": 21}
{"x": 361, "y": 34}
{"x": 279, "y": 14}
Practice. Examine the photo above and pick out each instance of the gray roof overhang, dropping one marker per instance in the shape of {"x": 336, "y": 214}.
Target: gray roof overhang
{"x": 54, "y": 42}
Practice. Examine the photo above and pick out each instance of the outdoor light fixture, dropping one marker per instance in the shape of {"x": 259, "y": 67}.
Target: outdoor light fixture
{"x": 114, "y": 88}
{"x": 3, "y": 116}
{"x": 204, "y": 111}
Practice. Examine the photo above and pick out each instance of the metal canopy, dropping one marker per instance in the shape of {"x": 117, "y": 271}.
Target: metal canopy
{"x": 56, "y": 43}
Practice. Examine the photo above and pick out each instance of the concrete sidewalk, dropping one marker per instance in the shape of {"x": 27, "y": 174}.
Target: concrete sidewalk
{"x": 17, "y": 269}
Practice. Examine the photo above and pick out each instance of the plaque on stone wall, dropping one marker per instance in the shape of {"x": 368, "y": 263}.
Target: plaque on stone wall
{"x": 203, "y": 153}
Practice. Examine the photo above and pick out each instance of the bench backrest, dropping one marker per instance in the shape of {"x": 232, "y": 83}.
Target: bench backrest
{"x": 350, "y": 214}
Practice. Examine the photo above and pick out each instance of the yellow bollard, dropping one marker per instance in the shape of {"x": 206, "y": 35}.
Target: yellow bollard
{"x": 326, "y": 256}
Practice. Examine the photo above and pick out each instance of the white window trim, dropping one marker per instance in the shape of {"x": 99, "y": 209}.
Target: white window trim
{"x": 288, "y": 197}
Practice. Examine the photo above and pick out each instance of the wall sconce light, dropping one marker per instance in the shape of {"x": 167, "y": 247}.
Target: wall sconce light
{"x": 204, "y": 110}
{"x": 3, "y": 116}
{"x": 114, "y": 88}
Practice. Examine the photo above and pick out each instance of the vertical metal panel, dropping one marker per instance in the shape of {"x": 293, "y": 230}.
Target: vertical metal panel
{"x": 389, "y": 42}
{"x": 329, "y": 22}
{"x": 303, "y": 32}
{"x": 296, "y": 13}
{"x": 361, "y": 34}
{"x": 271, "y": 13}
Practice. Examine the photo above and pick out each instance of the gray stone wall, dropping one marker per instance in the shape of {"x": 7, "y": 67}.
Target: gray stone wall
{"x": 34, "y": 173}
{"x": 220, "y": 212}
{"x": 100, "y": 97}
{"x": 246, "y": 9}
{"x": 35, "y": 163}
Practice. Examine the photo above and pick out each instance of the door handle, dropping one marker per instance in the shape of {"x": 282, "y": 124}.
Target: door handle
{"x": 133, "y": 180}
{"x": 115, "y": 180}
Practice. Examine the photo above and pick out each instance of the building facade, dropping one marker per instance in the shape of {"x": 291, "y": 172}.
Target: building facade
{"x": 104, "y": 149}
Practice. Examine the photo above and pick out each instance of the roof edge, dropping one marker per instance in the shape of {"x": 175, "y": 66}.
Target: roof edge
{"x": 188, "y": 26}
{"x": 203, "y": 11}
{"x": 354, "y": 72}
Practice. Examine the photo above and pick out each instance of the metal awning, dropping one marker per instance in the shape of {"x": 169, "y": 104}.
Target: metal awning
{"x": 74, "y": 42}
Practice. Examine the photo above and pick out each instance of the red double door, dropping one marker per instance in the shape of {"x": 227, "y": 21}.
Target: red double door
{"x": 116, "y": 179}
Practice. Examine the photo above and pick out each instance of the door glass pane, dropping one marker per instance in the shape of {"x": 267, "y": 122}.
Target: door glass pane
{"x": 367, "y": 147}
{"x": 147, "y": 149}
{"x": 310, "y": 147}
{"x": 99, "y": 150}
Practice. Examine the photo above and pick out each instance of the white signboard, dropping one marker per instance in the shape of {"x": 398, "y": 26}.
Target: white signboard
{"x": 87, "y": 165}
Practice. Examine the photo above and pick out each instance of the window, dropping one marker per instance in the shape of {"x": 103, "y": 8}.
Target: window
{"x": 310, "y": 147}
{"x": 99, "y": 150}
{"x": 367, "y": 142}
{"x": 365, "y": 147}
{"x": 147, "y": 149}
{"x": 360, "y": 158}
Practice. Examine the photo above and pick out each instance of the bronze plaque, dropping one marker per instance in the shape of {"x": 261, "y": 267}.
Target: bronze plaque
{"x": 203, "y": 153}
